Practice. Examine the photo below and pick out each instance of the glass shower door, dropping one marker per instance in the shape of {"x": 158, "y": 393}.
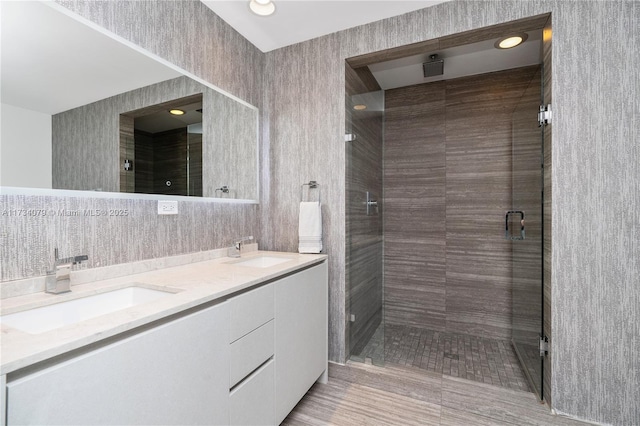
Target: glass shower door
{"x": 364, "y": 271}
{"x": 524, "y": 228}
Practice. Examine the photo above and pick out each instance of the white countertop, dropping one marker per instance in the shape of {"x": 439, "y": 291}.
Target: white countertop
{"x": 194, "y": 284}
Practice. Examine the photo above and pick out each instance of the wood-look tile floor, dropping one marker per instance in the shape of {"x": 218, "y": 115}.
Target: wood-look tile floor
{"x": 485, "y": 360}
{"x": 358, "y": 394}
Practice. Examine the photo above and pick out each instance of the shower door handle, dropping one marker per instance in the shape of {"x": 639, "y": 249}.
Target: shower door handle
{"x": 507, "y": 232}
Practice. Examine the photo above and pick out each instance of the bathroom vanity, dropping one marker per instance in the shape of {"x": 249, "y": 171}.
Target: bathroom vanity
{"x": 233, "y": 341}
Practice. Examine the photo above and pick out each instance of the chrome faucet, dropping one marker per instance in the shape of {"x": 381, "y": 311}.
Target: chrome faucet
{"x": 236, "y": 249}
{"x": 59, "y": 279}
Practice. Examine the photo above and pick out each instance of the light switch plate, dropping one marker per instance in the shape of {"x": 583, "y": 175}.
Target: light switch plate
{"x": 167, "y": 207}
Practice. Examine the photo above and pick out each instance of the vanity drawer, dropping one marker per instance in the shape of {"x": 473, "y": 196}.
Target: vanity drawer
{"x": 253, "y": 401}
{"x": 249, "y": 352}
{"x": 251, "y": 310}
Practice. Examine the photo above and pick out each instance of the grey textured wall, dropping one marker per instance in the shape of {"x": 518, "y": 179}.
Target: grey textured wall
{"x": 596, "y": 296}
{"x": 304, "y": 106}
{"x": 596, "y": 211}
{"x": 124, "y": 231}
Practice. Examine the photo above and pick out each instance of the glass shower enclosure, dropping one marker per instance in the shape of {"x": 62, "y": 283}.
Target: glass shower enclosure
{"x": 364, "y": 262}
{"x": 524, "y": 226}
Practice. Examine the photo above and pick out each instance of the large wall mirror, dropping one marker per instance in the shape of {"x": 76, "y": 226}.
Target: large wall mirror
{"x": 71, "y": 97}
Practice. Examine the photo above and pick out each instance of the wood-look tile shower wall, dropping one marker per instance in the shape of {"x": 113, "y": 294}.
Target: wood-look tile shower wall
{"x": 447, "y": 185}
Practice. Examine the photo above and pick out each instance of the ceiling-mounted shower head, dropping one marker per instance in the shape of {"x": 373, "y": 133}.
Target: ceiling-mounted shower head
{"x": 433, "y": 66}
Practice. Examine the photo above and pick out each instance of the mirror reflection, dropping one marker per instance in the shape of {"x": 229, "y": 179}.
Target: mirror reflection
{"x": 164, "y": 156}
{"x": 71, "y": 96}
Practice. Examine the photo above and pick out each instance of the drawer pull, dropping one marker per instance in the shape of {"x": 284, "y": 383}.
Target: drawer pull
{"x": 251, "y": 375}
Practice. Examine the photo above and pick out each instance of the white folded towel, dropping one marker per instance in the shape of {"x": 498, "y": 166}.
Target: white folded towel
{"x": 310, "y": 227}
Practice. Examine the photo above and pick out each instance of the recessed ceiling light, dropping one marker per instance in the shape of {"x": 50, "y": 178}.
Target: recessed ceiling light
{"x": 262, "y": 7}
{"x": 176, "y": 111}
{"x": 511, "y": 41}
{"x": 360, "y": 107}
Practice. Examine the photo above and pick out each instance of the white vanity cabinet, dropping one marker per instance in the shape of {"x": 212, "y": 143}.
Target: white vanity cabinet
{"x": 246, "y": 360}
{"x": 301, "y": 335}
{"x": 252, "y": 349}
{"x": 168, "y": 374}
{"x": 279, "y": 346}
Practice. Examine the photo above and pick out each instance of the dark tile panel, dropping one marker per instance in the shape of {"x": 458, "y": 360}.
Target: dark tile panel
{"x": 478, "y": 193}
{"x": 448, "y": 179}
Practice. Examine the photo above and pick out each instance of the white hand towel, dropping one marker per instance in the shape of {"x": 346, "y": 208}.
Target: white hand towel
{"x": 310, "y": 227}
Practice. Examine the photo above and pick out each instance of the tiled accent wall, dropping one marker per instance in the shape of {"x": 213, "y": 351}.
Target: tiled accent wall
{"x": 447, "y": 185}
{"x": 415, "y": 206}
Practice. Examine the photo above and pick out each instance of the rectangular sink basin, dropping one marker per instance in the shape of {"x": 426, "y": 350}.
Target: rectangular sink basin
{"x": 50, "y": 317}
{"x": 262, "y": 261}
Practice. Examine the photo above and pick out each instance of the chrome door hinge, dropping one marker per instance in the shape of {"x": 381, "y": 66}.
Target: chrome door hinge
{"x": 350, "y": 137}
{"x": 545, "y": 115}
{"x": 544, "y": 346}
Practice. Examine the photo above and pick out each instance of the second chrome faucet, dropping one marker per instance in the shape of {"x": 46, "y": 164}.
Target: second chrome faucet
{"x": 236, "y": 249}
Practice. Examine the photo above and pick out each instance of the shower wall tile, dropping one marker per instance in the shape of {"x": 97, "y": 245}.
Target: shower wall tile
{"x": 478, "y": 181}
{"x": 414, "y": 192}
{"x": 447, "y": 179}
{"x": 526, "y": 179}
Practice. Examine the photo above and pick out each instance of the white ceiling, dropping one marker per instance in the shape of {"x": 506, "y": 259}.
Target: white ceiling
{"x": 298, "y": 20}
{"x": 295, "y": 21}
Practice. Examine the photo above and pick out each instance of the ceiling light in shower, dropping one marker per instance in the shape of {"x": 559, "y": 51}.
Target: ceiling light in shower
{"x": 262, "y": 7}
{"x": 511, "y": 41}
{"x": 360, "y": 107}
{"x": 176, "y": 112}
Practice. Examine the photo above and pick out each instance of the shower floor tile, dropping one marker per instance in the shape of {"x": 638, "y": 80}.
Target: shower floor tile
{"x": 468, "y": 357}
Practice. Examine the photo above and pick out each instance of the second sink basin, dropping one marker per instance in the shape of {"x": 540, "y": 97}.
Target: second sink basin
{"x": 50, "y": 317}
{"x": 261, "y": 261}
